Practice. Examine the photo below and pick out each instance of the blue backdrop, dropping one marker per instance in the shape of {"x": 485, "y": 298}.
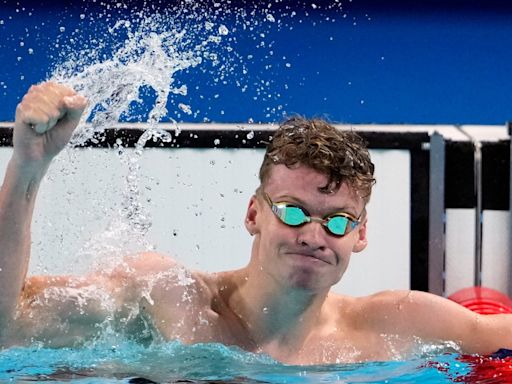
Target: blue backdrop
{"x": 350, "y": 61}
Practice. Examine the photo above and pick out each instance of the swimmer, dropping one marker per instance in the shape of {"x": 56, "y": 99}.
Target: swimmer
{"x": 306, "y": 218}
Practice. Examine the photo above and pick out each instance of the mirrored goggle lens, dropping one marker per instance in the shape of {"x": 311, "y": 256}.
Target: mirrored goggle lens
{"x": 290, "y": 214}
{"x": 338, "y": 225}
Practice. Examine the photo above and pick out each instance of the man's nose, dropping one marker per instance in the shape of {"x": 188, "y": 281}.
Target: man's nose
{"x": 312, "y": 235}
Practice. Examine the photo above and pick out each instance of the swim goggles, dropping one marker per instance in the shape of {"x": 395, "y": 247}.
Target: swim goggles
{"x": 337, "y": 224}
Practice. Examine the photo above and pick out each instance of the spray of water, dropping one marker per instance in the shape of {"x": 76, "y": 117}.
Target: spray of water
{"x": 146, "y": 60}
{"x": 148, "y": 53}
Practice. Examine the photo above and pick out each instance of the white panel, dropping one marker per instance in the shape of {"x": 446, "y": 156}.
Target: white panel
{"x": 199, "y": 205}
{"x": 197, "y": 200}
{"x": 460, "y": 249}
{"x": 385, "y": 264}
{"x": 496, "y": 264}
{"x": 5, "y": 155}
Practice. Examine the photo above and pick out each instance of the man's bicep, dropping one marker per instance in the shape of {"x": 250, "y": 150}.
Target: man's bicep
{"x": 435, "y": 319}
{"x": 476, "y": 333}
{"x": 494, "y": 332}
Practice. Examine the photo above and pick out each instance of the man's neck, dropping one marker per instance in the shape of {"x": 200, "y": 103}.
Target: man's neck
{"x": 276, "y": 318}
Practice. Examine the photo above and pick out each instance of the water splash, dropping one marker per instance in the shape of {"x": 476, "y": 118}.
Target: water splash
{"x": 132, "y": 208}
{"x": 136, "y": 64}
{"x": 143, "y": 62}
{"x": 146, "y": 61}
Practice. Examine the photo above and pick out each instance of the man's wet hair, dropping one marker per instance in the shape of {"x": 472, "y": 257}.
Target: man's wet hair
{"x": 341, "y": 155}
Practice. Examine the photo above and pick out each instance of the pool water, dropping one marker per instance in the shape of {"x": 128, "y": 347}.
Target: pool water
{"x": 174, "y": 362}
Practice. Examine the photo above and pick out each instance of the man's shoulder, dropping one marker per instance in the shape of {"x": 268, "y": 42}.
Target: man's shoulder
{"x": 378, "y": 298}
{"x": 146, "y": 263}
{"x": 155, "y": 269}
{"x": 395, "y": 299}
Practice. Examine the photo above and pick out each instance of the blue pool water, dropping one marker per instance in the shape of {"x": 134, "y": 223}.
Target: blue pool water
{"x": 174, "y": 362}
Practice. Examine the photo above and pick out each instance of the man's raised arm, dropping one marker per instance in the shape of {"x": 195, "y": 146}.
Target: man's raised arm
{"x": 45, "y": 120}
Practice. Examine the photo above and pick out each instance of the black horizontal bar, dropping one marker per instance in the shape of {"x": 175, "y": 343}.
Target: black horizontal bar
{"x": 230, "y": 138}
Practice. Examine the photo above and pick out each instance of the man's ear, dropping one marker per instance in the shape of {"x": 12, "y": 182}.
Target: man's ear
{"x": 362, "y": 240}
{"x": 252, "y": 215}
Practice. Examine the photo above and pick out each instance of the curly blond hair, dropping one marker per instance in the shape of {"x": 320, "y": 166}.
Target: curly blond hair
{"x": 340, "y": 155}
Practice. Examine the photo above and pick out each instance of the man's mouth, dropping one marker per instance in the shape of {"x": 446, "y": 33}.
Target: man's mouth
{"x": 312, "y": 256}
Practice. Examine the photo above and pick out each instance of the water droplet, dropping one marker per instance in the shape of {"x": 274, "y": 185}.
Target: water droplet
{"x": 185, "y": 108}
{"x": 223, "y": 30}
{"x": 250, "y": 135}
{"x": 62, "y": 29}
{"x": 216, "y": 142}
{"x": 264, "y": 310}
{"x": 271, "y": 18}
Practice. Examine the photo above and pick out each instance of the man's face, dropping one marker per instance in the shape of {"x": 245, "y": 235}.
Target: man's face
{"x": 305, "y": 257}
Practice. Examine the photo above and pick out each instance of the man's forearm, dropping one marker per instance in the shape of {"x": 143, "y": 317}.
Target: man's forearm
{"x": 17, "y": 198}
{"x": 45, "y": 120}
